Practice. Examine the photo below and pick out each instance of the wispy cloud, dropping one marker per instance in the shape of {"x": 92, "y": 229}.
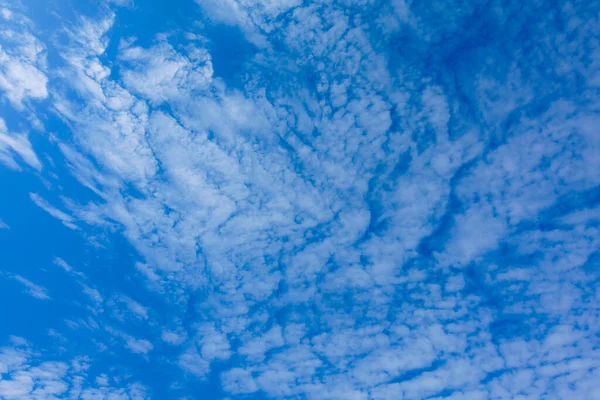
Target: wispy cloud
{"x": 125, "y": 308}
{"x": 63, "y": 264}
{"x": 32, "y": 289}
{"x": 22, "y": 60}
{"x": 139, "y": 346}
{"x": 93, "y": 294}
{"x": 173, "y": 338}
{"x": 66, "y": 267}
{"x": 16, "y": 144}
{"x": 135, "y": 307}
{"x": 66, "y": 219}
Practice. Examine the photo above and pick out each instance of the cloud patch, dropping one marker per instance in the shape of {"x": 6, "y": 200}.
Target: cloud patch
{"x": 32, "y": 289}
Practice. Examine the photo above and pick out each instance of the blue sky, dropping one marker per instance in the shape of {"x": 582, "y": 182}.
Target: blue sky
{"x": 244, "y": 199}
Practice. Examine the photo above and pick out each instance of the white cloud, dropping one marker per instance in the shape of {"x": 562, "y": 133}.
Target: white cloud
{"x": 26, "y": 377}
{"x": 22, "y": 61}
{"x": 582, "y": 217}
{"x": 66, "y": 219}
{"x": 256, "y": 347}
{"x": 139, "y": 346}
{"x": 135, "y": 307}
{"x": 16, "y": 144}
{"x": 93, "y": 294}
{"x": 20, "y": 80}
{"x": 63, "y": 264}
{"x": 32, "y": 289}
{"x": 359, "y": 224}
{"x": 238, "y": 381}
{"x": 4, "y": 225}
{"x": 121, "y": 303}
{"x": 190, "y": 361}
{"x": 102, "y": 380}
{"x": 173, "y": 338}
{"x": 213, "y": 344}
{"x": 254, "y": 17}
{"x": 6, "y": 13}
{"x": 161, "y": 74}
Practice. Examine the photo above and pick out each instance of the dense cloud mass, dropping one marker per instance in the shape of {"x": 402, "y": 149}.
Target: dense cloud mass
{"x": 357, "y": 199}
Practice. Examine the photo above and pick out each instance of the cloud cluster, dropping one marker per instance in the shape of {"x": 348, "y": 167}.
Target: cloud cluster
{"x": 400, "y": 201}
{"x": 22, "y": 60}
{"x": 23, "y": 376}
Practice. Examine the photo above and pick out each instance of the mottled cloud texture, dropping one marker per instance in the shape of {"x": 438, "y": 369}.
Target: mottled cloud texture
{"x": 326, "y": 200}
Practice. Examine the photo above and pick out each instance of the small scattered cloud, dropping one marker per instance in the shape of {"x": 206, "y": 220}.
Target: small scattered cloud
{"x": 191, "y": 362}
{"x": 32, "y": 289}
{"x": 22, "y": 61}
{"x": 173, "y": 338}
{"x": 66, "y": 219}
{"x": 27, "y": 374}
{"x": 93, "y": 294}
{"x": 62, "y": 263}
{"x": 136, "y": 308}
{"x": 16, "y": 144}
{"x": 138, "y": 346}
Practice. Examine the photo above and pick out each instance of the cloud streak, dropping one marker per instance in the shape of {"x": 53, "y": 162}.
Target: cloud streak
{"x": 66, "y": 219}
{"x": 33, "y": 290}
{"x": 11, "y": 144}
